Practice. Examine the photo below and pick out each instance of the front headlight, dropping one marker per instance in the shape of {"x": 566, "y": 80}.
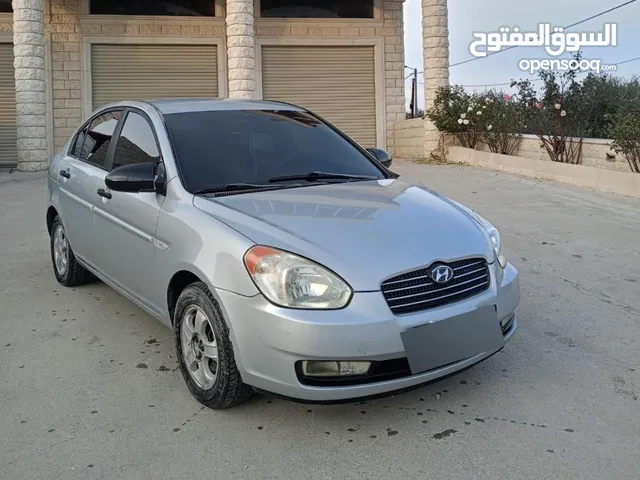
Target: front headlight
{"x": 492, "y": 231}
{"x": 290, "y": 281}
{"x": 494, "y": 235}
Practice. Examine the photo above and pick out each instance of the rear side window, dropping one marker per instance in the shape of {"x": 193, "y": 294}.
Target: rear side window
{"x": 98, "y": 138}
{"x": 136, "y": 143}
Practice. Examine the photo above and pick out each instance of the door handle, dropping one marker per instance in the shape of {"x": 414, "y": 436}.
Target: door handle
{"x": 103, "y": 193}
{"x": 65, "y": 174}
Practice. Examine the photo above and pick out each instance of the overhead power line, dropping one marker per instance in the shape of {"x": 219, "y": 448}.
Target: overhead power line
{"x": 627, "y": 61}
{"x": 629, "y": 2}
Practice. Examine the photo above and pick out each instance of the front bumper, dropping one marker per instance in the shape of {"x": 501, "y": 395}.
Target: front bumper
{"x": 268, "y": 340}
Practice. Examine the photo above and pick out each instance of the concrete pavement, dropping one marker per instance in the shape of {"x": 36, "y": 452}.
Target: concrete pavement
{"x": 89, "y": 387}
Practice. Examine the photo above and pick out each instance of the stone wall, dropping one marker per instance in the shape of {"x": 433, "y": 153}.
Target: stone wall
{"x": 65, "y": 37}
{"x": 393, "y": 33}
{"x": 30, "y": 84}
{"x": 409, "y": 143}
{"x": 408, "y": 139}
{"x": 594, "y": 153}
{"x": 599, "y": 179}
{"x": 68, "y": 25}
{"x": 435, "y": 43}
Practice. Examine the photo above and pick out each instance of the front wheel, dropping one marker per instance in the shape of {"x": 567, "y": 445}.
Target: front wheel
{"x": 204, "y": 350}
{"x": 66, "y": 268}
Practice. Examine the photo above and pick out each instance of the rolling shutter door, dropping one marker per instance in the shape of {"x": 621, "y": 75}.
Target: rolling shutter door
{"x": 337, "y": 83}
{"x": 8, "y": 151}
{"x": 147, "y": 72}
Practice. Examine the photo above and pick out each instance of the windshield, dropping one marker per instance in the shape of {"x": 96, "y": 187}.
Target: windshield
{"x": 218, "y": 148}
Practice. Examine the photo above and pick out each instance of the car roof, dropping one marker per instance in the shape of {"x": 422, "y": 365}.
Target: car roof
{"x": 184, "y": 105}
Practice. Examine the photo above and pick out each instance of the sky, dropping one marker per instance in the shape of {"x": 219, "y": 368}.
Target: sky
{"x": 468, "y": 16}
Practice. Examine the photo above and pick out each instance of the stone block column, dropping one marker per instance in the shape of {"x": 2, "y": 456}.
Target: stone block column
{"x": 31, "y": 103}
{"x": 241, "y": 47}
{"x": 435, "y": 47}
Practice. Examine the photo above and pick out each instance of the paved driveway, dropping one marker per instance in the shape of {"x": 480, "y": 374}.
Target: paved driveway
{"x": 88, "y": 386}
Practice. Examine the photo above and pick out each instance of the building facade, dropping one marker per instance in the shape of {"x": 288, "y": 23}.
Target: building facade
{"x": 344, "y": 59}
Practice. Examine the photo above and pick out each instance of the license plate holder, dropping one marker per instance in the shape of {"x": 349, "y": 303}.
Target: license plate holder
{"x": 453, "y": 339}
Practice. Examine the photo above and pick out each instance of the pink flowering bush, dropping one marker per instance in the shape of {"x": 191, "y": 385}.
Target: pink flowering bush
{"x": 557, "y": 115}
{"x": 503, "y": 122}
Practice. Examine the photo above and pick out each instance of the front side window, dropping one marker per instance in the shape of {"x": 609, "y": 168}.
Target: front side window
{"x": 316, "y": 8}
{"x": 217, "y": 148}
{"x": 136, "y": 143}
{"x": 184, "y": 8}
{"x": 98, "y": 139}
{"x": 5, "y": 6}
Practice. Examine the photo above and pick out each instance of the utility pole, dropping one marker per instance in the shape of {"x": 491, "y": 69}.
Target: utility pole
{"x": 413, "y": 104}
{"x": 414, "y": 94}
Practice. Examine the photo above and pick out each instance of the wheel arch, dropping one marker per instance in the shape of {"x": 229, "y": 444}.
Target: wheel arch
{"x": 180, "y": 280}
{"x": 52, "y": 213}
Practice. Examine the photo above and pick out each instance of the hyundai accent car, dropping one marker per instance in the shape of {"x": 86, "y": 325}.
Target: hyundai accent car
{"x": 286, "y": 258}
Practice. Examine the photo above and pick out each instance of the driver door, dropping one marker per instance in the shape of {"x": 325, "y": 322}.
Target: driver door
{"x": 125, "y": 223}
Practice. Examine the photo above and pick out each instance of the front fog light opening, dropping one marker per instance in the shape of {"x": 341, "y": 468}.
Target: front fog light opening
{"x": 314, "y": 368}
{"x": 505, "y": 320}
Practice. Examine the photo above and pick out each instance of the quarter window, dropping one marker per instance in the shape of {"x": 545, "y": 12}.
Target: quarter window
{"x": 98, "y": 139}
{"x": 178, "y": 8}
{"x": 136, "y": 143}
{"x": 316, "y": 8}
{"x": 78, "y": 143}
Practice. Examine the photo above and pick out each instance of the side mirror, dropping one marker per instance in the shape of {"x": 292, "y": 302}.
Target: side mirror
{"x": 382, "y": 156}
{"x": 137, "y": 177}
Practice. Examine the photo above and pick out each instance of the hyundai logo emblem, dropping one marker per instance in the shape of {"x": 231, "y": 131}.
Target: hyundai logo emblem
{"x": 442, "y": 274}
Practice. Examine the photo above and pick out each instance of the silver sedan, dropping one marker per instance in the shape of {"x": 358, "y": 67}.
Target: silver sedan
{"x": 286, "y": 257}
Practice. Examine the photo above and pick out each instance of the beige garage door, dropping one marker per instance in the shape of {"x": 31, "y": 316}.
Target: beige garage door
{"x": 147, "y": 72}
{"x": 7, "y": 107}
{"x": 337, "y": 83}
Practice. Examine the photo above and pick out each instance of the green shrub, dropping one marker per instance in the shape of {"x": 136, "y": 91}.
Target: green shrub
{"x": 625, "y": 132}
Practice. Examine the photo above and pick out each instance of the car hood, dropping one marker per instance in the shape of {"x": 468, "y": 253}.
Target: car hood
{"x": 363, "y": 231}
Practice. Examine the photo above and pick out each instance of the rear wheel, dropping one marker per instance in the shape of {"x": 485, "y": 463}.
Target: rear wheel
{"x": 66, "y": 268}
{"x": 204, "y": 350}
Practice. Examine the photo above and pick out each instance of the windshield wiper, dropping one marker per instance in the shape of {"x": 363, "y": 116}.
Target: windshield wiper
{"x": 316, "y": 176}
{"x": 233, "y": 187}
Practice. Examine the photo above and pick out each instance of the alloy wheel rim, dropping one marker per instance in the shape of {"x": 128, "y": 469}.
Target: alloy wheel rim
{"x": 60, "y": 250}
{"x": 199, "y": 347}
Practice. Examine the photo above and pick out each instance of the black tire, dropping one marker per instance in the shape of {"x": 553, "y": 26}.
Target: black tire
{"x": 75, "y": 274}
{"x": 228, "y": 389}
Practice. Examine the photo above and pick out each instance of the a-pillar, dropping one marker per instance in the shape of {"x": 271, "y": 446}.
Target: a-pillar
{"x": 435, "y": 46}
{"x": 241, "y": 49}
{"x": 31, "y": 103}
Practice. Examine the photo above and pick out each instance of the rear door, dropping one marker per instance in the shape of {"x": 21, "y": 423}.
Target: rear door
{"x": 80, "y": 170}
{"x": 125, "y": 223}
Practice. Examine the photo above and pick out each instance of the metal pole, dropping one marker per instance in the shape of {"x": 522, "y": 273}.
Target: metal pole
{"x": 415, "y": 92}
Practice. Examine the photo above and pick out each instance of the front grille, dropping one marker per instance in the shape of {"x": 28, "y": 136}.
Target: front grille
{"x": 416, "y": 291}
